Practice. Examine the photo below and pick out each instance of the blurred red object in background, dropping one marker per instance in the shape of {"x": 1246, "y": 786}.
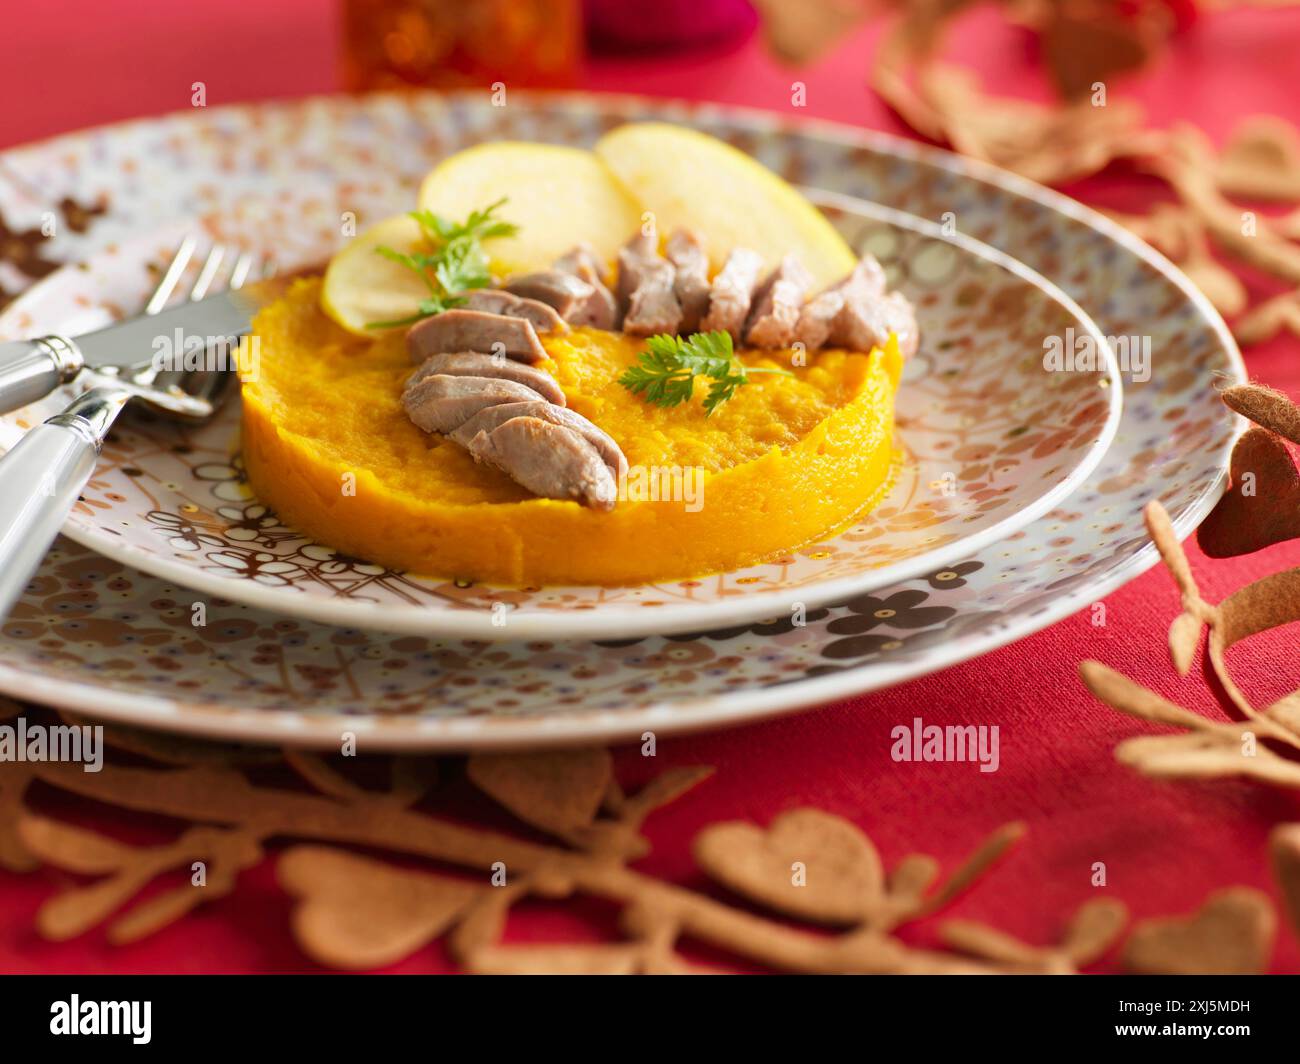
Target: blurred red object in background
{"x": 629, "y": 26}
{"x": 390, "y": 44}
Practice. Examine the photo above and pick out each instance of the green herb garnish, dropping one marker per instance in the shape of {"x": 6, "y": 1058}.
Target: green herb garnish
{"x": 666, "y": 371}
{"x": 455, "y": 262}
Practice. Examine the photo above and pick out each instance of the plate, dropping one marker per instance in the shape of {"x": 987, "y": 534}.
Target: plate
{"x": 173, "y": 502}
{"x": 95, "y": 636}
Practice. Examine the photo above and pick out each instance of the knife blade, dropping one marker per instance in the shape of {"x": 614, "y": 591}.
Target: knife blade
{"x": 199, "y": 325}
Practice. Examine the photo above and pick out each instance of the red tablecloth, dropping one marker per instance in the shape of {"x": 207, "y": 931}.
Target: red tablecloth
{"x": 66, "y": 64}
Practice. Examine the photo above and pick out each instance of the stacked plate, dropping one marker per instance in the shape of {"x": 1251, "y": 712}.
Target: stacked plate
{"x": 1026, "y": 461}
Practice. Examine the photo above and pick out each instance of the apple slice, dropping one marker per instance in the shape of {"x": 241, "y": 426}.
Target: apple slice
{"x": 361, "y": 286}
{"x": 557, "y": 196}
{"x": 688, "y": 178}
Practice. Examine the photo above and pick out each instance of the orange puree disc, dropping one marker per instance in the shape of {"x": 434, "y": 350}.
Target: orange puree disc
{"x": 785, "y": 461}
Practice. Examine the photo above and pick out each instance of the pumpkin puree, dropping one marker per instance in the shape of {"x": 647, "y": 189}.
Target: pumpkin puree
{"x": 786, "y": 460}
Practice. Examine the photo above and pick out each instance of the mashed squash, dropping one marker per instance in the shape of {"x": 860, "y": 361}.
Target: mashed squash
{"x": 785, "y": 461}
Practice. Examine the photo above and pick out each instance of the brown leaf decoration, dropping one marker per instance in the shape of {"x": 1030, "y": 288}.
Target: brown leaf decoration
{"x": 1266, "y": 407}
{"x": 1261, "y": 160}
{"x": 1184, "y": 635}
{"x": 1273, "y": 315}
{"x": 1085, "y": 48}
{"x": 559, "y": 791}
{"x": 1230, "y": 934}
{"x": 357, "y": 913}
{"x": 1262, "y": 507}
{"x": 1284, "y": 851}
{"x": 1096, "y": 927}
{"x": 844, "y": 879}
{"x": 1093, "y": 929}
{"x": 14, "y": 855}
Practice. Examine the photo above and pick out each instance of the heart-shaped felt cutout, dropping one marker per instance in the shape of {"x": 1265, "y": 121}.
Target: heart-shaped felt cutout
{"x": 1263, "y": 505}
{"x": 1231, "y": 934}
{"x": 357, "y": 913}
{"x": 559, "y": 791}
{"x": 807, "y": 863}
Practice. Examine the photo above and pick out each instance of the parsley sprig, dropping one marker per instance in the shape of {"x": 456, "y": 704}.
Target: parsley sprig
{"x": 665, "y": 373}
{"x": 455, "y": 263}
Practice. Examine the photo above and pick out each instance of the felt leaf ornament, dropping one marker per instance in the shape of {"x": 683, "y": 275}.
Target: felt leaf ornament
{"x": 1262, "y": 506}
{"x": 557, "y": 791}
{"x": 1230, "y": 934}
{"x": 1261, "y": 160}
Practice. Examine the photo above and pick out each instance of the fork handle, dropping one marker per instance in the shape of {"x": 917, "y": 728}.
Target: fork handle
{"x": 40, "y": 479}
{"x": 31, "y": 369}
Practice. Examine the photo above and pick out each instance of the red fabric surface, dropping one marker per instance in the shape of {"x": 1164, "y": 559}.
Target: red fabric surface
{"x": 1165, "y": 844}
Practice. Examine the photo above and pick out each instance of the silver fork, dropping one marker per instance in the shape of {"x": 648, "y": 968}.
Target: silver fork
{"x": 44, "y": 473}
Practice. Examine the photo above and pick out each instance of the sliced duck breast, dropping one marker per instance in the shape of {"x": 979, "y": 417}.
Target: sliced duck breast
{"x": 549, "y": 460}
{"x": 861, "y": 323}
{"x": 775, "y": 313}
{"x": 685, "y": 250}
{"x": 732, "y": 293}
{"x": 494, "y": 301}
{"x": 442, "y": 403}
{"x": 474, "y": 330}
{"x": 600, "y": 311}
{"x": 563, "y": 292}
{"x": 900, "y": 318}
{"x": 816, "y": 319}
{"x": 491, "y": 417}
{"x": 477, "y": 364}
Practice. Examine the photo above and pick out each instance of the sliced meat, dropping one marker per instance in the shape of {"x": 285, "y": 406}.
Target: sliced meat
{"x": 900, "y": 317}
{"x": 494, "y": 301}
{"x": 775, "y": 313}
{"x": 861, "y": 323}
{"x": 633, "y": 257}
{"x": 477, "y": 364}
{"x": 869, "y": 314}
{"x": 563, "y": 292}
{"x": 653, "y": 307}
{"x": 474, "y": 330}
{"x": 685, "y": 251}
{"x": 732, "y": 293}
{"x": 816, "y": 318}
{"x": 491, "y": 417}
{"x": 600, "y": 311}
{"x": 549, "y": 460}
{"x": 442, "y": 403}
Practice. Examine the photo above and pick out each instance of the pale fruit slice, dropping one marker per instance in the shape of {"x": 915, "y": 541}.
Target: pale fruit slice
{"x": 686, "y": 178}
{"x": 557, "y": 196}
{"x": 361, "y": 286}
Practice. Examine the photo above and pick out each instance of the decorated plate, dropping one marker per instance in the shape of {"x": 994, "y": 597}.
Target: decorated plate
{"x": 96, "y": 635}
{"x": 173, "y": 501}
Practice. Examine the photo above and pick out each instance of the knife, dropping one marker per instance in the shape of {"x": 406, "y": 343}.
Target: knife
{"x": 31, "y": 369}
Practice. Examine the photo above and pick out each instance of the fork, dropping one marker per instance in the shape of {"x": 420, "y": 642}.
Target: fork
{"x": 43, "y": 475}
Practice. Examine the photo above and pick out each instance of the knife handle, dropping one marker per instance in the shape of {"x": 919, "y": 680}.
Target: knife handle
{"x": 40, "y": 480}
{"x": 31, "y": 369}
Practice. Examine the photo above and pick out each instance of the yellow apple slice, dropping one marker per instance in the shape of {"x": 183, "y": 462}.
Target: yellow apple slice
{"x": 361, "y": 286}
{"x": 557, "y": 196}
{"x": 688, "y": 178}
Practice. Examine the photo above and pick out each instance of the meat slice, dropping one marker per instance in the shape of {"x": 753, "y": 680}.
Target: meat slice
{"x": 563, "y": 292}
{"x": 645, "y": 287}
{"x": 817, "y": 317}
{"x": 441, "y": 403}
{"x": 474, "y": 330}
{"x": 549, "y": 460}
{"x": 775, "y": 313}
{"x": 494, "y": 301}
{"x": 861, "y": 323}
{"x": 900, "y": 317}
{"x": 732, "y": 293}
{"x": 477, "y": 364}
{"x": 493, "y": 416}
{"x": 600, "y": 311}
{"x": 633, "y": 256}
{"x": 685, "y": 250}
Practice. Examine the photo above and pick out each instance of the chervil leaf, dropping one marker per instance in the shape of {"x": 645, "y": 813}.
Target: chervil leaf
{"x": 665, "y": 372}
{"x": 456, "y": 262}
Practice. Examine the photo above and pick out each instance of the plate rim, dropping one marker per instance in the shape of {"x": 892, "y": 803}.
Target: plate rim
{"x": 630, "y": 621}
{"x": 212, "y": 721}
